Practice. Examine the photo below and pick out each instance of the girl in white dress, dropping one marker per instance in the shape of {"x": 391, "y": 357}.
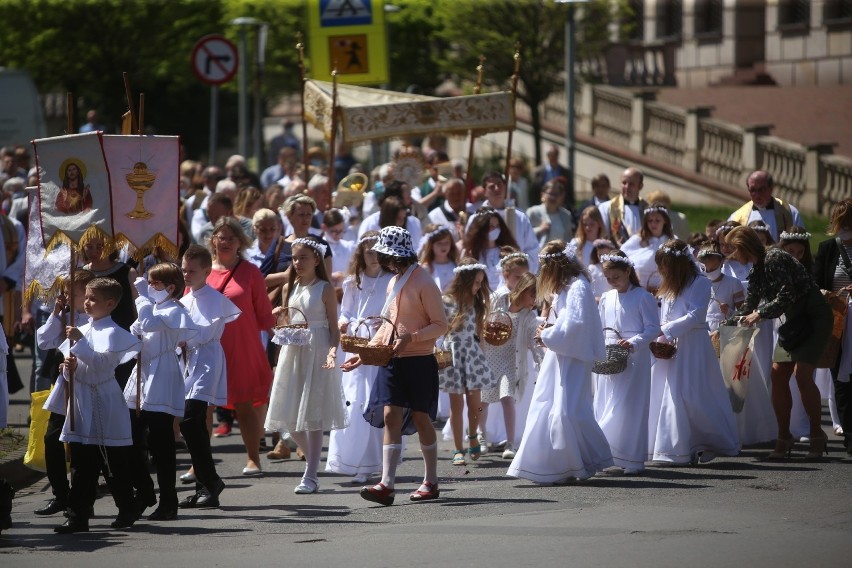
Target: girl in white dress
{"x": 599, "y": 284}
{"x": 439, "y": 255}
{"x": 163, "y": 323}
{"x": 466, "y": 305}
{"x": 486, "y": 233}
{"x": 307, "y": 396}
{"x": 642, "y": 247}
{"x": 513, "y": 264}
{"x": 589, "y": 230}
{"x": 562, "y": 441}
{"x": 357, "y": 449}
{"x": 622, "y": 400}
{"x": 691, "y": 415}
{"x": 732, "y": 267}
{"x": 513, "y": 363}
{"x": 333, "y": 231}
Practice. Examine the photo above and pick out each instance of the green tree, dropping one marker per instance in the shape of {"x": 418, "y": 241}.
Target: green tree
{"x": 474, "y": 28}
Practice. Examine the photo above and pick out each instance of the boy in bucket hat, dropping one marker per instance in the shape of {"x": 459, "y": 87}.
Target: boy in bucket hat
{"x": 405, "y": 397}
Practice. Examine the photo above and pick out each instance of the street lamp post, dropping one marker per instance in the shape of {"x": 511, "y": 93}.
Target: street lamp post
{"x": 242, "y": 100}
{"x": 570, "y": 119}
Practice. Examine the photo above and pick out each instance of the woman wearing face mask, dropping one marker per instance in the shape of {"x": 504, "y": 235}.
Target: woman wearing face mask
{"x": 833, "y": 271}
{"x": 486, "y": 233}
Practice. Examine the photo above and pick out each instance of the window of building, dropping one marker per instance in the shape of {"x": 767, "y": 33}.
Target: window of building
{"x": 670, "y": 19}
{"x": 794, "y": 13}
{"x": 708, "y": 17}
{"x": 837, "y": 11}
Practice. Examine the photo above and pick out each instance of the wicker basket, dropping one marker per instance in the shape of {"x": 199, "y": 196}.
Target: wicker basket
{"x": 444, "y": 358}
{"x": 498, "y": 328}
{"x": 290, "y": 324}
{"x": 377, "y": 355}
{"x": 351, "y": 343}
{"x": 616, "y": 358}
{"x": 292, "y": 333}
{"x": 663, "y": 350}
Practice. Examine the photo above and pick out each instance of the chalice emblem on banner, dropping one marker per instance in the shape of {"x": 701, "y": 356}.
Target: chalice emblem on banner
{"x": 140, "y": 180}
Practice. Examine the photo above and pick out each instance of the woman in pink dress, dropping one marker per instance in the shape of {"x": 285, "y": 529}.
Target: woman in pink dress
{"x": 249, "y": 374}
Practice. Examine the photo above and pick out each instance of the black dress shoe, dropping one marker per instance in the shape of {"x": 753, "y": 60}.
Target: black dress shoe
{"x": 53, "y": 506}
{"x": 163, "y": 514}
{"x": 72, "y": 525}
{"x": 124, "y": 521}
{"x": 143, "y": 502}
{"x": 210, "y": 499}
{"x": 191, "y": 501}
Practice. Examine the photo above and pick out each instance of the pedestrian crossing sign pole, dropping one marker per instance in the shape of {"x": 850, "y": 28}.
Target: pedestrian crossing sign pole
{"x": 349, "y": 35}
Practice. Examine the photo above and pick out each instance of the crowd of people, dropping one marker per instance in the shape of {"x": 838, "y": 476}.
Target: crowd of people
{"x": 290, "y": 317}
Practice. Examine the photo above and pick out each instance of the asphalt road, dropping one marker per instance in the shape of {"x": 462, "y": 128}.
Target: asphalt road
{"x": 731, "y": 511}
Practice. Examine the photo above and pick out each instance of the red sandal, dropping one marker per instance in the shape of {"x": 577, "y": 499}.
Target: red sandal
{"x": 433, "y": 492}
{"x": 383, "y": 496}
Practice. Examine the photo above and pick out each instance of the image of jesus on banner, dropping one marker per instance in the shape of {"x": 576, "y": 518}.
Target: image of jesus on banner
{"x": 74, "y": 195}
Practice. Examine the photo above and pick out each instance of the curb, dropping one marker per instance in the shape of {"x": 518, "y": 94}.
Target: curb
{"x": 13, "y": 470}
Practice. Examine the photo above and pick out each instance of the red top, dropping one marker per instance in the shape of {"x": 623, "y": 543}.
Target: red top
{"x": 249, "y": 374}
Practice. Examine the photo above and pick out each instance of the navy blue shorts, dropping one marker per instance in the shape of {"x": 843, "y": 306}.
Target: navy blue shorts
{"x": 408, "y": 382}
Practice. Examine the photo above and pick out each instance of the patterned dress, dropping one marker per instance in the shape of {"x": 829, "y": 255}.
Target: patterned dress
{"x": 470, "y": 369}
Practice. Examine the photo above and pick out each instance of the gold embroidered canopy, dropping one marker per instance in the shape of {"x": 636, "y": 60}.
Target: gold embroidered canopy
{"x": 366, "y": 114}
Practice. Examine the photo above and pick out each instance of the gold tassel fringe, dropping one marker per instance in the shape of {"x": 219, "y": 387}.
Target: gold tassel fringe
{"x": 159, "y": 240}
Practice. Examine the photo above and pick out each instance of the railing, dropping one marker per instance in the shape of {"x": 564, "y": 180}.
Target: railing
{"x": 809, "y": 176}
{"x": 665, "y": 137}
{"x": 634, "y": 64}
{"x": 721, "y": 151}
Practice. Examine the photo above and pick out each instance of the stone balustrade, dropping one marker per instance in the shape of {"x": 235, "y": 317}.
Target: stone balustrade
{"x": 720, "y": 152}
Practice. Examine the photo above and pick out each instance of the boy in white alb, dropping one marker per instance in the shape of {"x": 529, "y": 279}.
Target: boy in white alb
{"x": 99, "y": 433}
{"x": 204, "y": 372}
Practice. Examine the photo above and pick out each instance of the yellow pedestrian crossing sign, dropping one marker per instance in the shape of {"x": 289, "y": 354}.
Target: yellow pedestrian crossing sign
{"x": 348, "y": 34}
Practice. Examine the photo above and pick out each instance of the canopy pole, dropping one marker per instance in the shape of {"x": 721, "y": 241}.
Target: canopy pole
{"x": 514, "y": 92}
{"x": 129, "y": 94}
{"x": 332, "y": 141}
{"x": 476, "y": 90}
{"x": 300, "y": 48}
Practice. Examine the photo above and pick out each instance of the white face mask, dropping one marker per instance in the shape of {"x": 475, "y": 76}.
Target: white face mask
{"x": 714, "y": 274}
{"x": 845, "y": 234}
{"x": 157, "y": 296}
{"x": 493, "y": 235}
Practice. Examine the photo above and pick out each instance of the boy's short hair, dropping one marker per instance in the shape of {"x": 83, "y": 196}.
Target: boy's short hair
{"x": 83, "y": 276}
{"x": 110, "y": 289}
{"x": 199, "y": 253}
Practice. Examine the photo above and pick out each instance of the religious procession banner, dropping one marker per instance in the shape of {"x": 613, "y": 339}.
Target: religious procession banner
{"x": 366, "y": 114}
{"x": 74, "y": 189}
{"x": 145, "y": 174}
{"x": 44, "y": 271}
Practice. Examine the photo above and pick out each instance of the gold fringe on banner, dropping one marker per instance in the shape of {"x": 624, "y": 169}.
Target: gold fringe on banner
{"x": 92, "y": 233}
{"x": 35, "y": 290}
{"x": 159, "y": 240}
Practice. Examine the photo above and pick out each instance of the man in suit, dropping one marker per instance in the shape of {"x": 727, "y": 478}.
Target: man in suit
{"x": 600, "y": 194}
{"x": 549, "y": 171}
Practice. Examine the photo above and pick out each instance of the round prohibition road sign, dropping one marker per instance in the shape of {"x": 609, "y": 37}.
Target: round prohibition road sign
{"x": 214, "y": 60}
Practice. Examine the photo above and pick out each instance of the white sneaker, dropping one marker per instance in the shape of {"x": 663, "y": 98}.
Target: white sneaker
{"x": 508, "y": 452}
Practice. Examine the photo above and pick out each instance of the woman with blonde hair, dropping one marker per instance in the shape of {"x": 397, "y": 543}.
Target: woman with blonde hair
{"x": 562, "y": 440}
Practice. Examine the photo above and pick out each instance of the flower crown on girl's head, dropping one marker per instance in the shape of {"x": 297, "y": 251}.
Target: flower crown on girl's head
{"x": 709, "y": 252}
{"x": 616, "y": 259}
{"x": 724, "y": 227}
{"x": 464, "y": 267}
{"x": 761, "y": 228}
{"x": 603, "y": 243}
{"x": 655, "y": 209}
{"x": 785, "y": 236}
{"x": 425, "y": 239}
{"x": 675, "y": 252}
{"x": 569, "y": 253}
{"x": 319, "y": 248}
{"x": 509, "y": 256}
{"x": 372, "y": 238}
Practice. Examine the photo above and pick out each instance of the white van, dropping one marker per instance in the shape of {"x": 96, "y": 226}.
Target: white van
{"x": 21, "y": 117}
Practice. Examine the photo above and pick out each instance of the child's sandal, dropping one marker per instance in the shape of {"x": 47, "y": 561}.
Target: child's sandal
{"x": 474, "y": 451}
{"x": 458, "y": 458}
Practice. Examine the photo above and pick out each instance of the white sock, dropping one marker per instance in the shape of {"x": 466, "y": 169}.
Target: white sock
{"x": 430, "y": 460}
{"x": 390, "y": 459}
{"x": 312, "y": 454}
